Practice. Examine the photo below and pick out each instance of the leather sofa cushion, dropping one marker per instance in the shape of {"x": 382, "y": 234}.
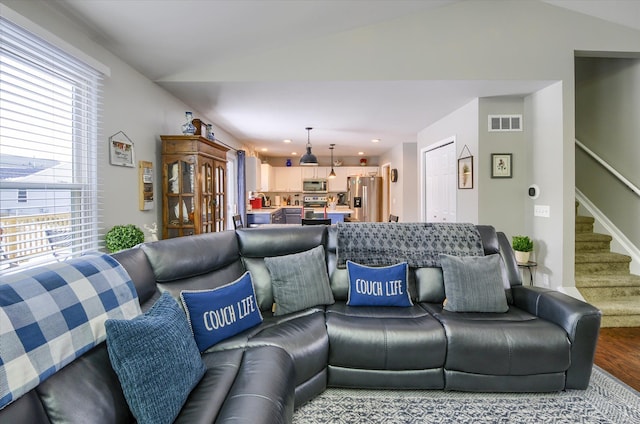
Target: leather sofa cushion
{"x": 205, "y": 401}
{"x": 262, "y": 392}
{"x": 85, "y": 391}
{"x": 384, "y": 338}
{"x": 183, "y": 257}
{"x": 511, "y": 343}
{"x": 303, "y": 335}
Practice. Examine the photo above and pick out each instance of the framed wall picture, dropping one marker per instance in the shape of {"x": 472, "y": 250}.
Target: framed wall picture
{"x": 465, "y": 173}
{"x": 121, "y": 150}
{"x": 501, "y": 165}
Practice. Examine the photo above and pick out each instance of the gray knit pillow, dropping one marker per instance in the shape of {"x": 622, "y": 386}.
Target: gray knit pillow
{"x": 473, "y": 283}
{"x": 299, "y": 281}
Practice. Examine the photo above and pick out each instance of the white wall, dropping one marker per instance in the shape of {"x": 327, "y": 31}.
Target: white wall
{"x": 463, "y": 125}
{"x": 554, "y": 236}
{"x": 132, "y": 104}
{"x": 402, "y": 194}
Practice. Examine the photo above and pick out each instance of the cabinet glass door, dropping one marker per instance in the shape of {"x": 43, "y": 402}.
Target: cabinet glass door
{"x": 219, "y": 195}
{"x": 180, "y": 197}
{"x": 206, "y": 196}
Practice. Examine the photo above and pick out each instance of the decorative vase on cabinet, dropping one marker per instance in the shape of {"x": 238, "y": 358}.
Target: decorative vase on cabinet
{"x": 193, "y": 185}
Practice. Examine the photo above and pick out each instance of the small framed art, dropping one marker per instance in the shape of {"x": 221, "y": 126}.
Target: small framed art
{"x": 465, "y": 173}
{"x": 121, "y": 150}
{"x": 501, "y": 165}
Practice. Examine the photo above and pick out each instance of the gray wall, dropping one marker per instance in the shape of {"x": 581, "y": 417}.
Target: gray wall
{"x": 501, "y": 200}
{"x": 608, "y": 123}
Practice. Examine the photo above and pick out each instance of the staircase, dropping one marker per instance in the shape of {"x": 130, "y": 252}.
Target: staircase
{"x": 603, "y": 277}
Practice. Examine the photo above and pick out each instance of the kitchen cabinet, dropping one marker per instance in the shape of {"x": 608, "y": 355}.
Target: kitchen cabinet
{"x": 313, "y": 172}
{"x": 287, "y": 179}
{"x": 293, "y": 215}
{"x": 194, "y": 184}
{"x": 253, "y": 173}
{"x": 267, "y": 177}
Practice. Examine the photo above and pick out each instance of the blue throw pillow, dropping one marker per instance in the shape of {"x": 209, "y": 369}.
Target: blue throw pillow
{"x": 220, "y": 313}
{"x": 156, "y": 360}
{"x": 378, "y": 286}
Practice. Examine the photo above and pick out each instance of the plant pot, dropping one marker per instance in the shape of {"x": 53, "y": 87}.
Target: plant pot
{"x": 522, "y": 257}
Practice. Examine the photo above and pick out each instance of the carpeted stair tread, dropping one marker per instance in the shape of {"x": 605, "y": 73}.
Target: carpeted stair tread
{"x": 601, "y": 257}
{"x": 580, "y": 219}
{"x": 608, "y": 280}
{"x": 629, "y": 305}
{"x": 583, "y": 237}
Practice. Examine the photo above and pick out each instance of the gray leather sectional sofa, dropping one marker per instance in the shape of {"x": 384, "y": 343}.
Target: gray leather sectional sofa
{"x": 544, "y": 342}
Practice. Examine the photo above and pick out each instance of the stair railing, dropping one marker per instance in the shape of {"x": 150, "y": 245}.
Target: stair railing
{"x": 608, "y": 167}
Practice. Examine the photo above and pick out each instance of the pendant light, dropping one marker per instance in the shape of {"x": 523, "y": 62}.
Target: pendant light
{"x": 308, "y": 159}
{"x": 332, "y": 174}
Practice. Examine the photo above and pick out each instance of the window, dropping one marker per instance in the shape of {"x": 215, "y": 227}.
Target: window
{"x": 49, "y": 105}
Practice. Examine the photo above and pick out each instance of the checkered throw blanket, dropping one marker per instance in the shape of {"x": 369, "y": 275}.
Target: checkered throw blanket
{"x": 417, "y": 243}
{"x": 52, "y": 314}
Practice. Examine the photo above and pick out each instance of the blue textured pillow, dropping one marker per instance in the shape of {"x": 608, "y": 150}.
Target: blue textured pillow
{"x": 378, "y": 286}
{"x": 156, "y": 360}
{"x": 218, "y": 314}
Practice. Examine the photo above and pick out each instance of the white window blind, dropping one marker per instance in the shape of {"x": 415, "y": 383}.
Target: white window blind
{"x": 49, "y": 109}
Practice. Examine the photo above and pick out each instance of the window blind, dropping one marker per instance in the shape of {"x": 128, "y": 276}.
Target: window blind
{"x": 49, "y": 121}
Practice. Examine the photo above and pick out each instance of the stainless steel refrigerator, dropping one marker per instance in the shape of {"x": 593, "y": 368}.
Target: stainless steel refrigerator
{"x": 365, "y": 198}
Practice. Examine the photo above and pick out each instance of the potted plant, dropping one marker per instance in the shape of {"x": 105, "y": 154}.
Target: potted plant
{"x": 123, "y": 237}
{"x": 523, "y": 246}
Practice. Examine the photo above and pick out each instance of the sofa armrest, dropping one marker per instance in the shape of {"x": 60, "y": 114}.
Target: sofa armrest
{"x": 580, "y": 320}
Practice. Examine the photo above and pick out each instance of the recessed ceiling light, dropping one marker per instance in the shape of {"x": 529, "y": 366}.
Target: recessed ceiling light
{"x": 287, "y": 141}
{"x": 264, "y": 149}
{"x": 360, "y": 153}
{"x": 375, "y": 140}
{"x": 294, "y": 153}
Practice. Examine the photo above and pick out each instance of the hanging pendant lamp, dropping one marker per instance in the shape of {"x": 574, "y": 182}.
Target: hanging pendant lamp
{"x": 332, "y": 174}
{"x": 308, "y": 159}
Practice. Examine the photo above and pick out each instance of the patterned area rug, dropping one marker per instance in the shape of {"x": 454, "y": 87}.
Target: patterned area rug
{"x": 607, "y": 400}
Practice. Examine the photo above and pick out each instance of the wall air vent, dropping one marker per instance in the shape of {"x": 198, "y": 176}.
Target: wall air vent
{"x": 505, "y": 122}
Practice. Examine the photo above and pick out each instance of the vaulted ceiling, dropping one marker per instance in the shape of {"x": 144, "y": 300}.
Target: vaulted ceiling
{"x": 189, "y": 47}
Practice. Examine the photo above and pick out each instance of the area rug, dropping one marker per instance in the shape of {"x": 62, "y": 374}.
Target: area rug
{"x": 607, "y": 400}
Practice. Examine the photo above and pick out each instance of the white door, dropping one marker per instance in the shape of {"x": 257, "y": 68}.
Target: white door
{"x": 440, "y": 183}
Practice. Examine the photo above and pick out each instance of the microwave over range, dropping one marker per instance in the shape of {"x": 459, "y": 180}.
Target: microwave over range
{"x": 315, "y": 185}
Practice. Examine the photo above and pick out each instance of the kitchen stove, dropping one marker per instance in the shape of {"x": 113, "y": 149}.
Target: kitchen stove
{"x": 314, "y": 201}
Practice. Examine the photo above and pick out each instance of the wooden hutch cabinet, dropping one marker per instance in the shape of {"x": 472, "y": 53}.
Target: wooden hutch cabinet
{"x": 194, "y": 173}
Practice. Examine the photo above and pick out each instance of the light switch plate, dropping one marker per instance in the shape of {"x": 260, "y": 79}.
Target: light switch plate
{"x": 541, "y": 210}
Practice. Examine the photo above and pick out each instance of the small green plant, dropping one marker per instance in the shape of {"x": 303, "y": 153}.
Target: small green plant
{"x": 123, "y": 237}
{"x": 522, "y": 243}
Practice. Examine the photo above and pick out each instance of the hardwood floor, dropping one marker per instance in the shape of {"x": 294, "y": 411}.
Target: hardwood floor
{"x": 618, "y": 352}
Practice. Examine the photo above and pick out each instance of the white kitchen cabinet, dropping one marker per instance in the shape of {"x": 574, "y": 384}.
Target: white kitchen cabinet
{"x": 339, "y": 183}
{"x": 253, "y": 174}
{"x": 287, "y": 179}
{"x": 313, "y": 172}
{"x": 267, "y": 177}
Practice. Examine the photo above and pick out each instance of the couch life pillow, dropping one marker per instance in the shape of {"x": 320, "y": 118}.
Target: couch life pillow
{"x": 378, "y": 286}
{"x": 473, "y": 284}
{"x": 223, "y": 312}
{"x": 300, "y": 281}
{"x": 156, "y": 360}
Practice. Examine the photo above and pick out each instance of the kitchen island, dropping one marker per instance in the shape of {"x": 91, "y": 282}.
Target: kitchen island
{"x": 293, "y": 215}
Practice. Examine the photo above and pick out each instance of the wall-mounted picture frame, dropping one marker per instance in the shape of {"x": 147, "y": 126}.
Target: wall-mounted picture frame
{"x": 501, "y": 165}
{"x": 121, "y": 151}
{"x": 465, "y": 173}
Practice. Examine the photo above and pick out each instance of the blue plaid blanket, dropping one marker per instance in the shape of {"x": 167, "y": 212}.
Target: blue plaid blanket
{"x": 52, "y": 314}
{"x": 418, "y": 243}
